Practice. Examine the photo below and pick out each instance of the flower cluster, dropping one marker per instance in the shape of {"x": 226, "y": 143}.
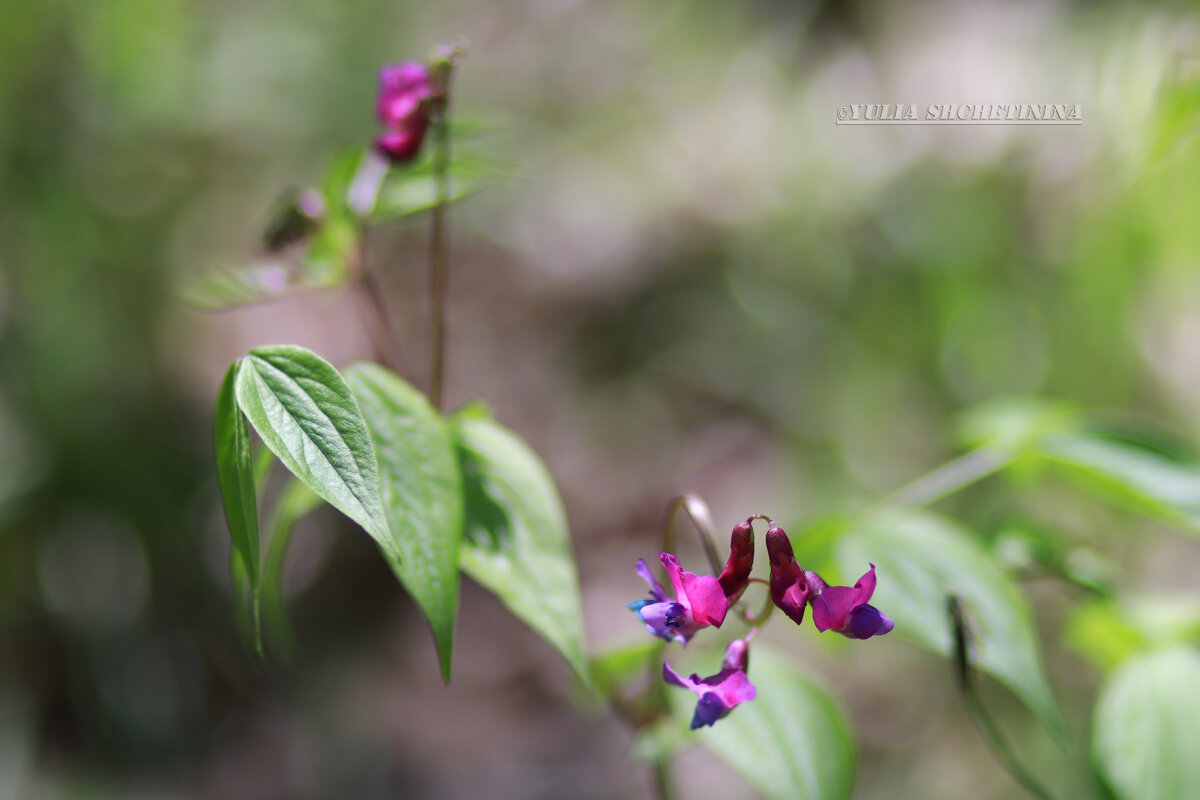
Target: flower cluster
{"x": 702, "y": 601}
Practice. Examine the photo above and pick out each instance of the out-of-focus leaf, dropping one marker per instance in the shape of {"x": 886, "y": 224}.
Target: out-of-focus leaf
{"x": 235, "y": 470}
{"x": 516, "y": 540}
{"x": 306, "y": 414}
{"x": 411, "y": 190}
{"x": 920, "y": 560}
{"x": 422, "y": 494}
{"x": 1177, "y": 110}
{"x": 791, "y": 742}
{"x": 1134, "y": 475}
{"x": 1145, "y": 737}
{"x": 1100, "y": 633}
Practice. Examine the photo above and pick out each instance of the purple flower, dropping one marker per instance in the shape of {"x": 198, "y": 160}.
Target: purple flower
{"x": 719, "y": 693}
{"x": 789, "y": 585}
{"x": 402, "y": 107}
{"x": 699, "y": 602}
{"x": 844, "y": 608}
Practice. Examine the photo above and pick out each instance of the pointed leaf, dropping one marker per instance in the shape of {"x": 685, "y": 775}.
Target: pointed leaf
{"x": 919, "y": 561}
{"x": 1145, "y": 738}
{"x": 791, "y": 742}
{"x": 422, "y": 493}
{"x": 235, "y": 470}
{"x": 305, "y": 413}
{"x": 516, "y": 541}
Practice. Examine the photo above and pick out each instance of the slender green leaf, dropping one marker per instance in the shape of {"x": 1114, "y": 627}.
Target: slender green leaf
{"x": 921, "y": 559}
{"x": 235, "y": 470}
{"x": 1135, "y": 475}
{"x": 422, "y": 494}
{"x": 516, "y": 540}
{"x": 296, "y": 501}
{"x": 305, "y": 413}
{"x": 1145, "y": 738}
{"x": 791, "y": 742}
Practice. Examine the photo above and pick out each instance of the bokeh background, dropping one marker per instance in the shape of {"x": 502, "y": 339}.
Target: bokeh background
{"x": 689, "y": 279}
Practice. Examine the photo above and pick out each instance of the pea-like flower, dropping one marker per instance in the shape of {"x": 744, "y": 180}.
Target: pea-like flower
{"x": 844, "y": 609}
{"x": 719, "y": 693}
{"x": 699, "y": 602}
{"x": 403, "y": 107}
{"x": 789, "y": 585}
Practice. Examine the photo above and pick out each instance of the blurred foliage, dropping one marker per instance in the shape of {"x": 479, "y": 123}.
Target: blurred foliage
{"x": 703, "y": 280}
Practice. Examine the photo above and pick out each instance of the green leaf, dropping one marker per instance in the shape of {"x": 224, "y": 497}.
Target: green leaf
{"x": 791, "y": 742}
{"x": 422, "y": 494}
{"x": 305, "y": 413}
{"x": 1125, "y": 472}
{"x": 516, "y": 541}
{"x": 413, "y": 189}
{"x": 235, "y": 470}
{"x": 1145, "y": 738}
{"x": 920, "y": 560}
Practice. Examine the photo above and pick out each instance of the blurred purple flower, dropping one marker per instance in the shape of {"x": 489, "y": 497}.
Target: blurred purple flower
{"x": 719, "y": 693}
{"x": 700, "y": 602}
{"x": 844, "y": 609}
{"x": 404, "y": 90}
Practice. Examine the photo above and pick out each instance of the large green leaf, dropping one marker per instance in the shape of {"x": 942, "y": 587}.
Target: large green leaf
{"x": 921, "y": 559}
{"x": 1145, "y": 738}
{"x": 422, "y": 493}
{"x": 1127, "y": 472}
{"x": 305, "y": 413}
{"x": 235, "y": 470}
{"x": 516, "y": 540}
{"x": 791, "y": 742}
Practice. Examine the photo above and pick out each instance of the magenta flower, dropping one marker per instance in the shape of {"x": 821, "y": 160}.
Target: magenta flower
{"x": 699, "y": 602}
{"x": 404, "y": 92}
{"x": 844, "y": 609}
{"x": 719, "y": 693}
{"x": 789, "y": 585}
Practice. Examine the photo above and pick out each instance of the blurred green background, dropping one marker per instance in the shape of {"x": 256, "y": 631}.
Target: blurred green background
{"x": 691, "y": 279}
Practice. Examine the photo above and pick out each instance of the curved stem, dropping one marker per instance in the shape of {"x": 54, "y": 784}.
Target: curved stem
{"x": 702, "y": 523}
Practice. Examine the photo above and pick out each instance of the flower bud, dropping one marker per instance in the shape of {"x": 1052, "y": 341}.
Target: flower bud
{"x": 404, "y": 92}
{"x": 789, "y": 588}
{"x": 736, "y": 574}
{"x": 737, "y": 656}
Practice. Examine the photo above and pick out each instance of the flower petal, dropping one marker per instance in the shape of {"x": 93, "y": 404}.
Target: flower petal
{"x": 706, "y": 598}
{"x": 864, "y": 587}
{"x": 867, "y": 621}
{"x": 832, "y": 607}
{"x": 656, "y": 590}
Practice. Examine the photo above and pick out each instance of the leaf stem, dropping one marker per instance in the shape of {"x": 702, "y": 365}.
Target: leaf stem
{"x": 664, "y": 784}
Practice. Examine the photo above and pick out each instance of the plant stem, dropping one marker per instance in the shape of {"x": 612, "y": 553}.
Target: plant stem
{"x": 949, "y": 478}
{"x": 664, "y": 785}
{"x": 384, "y": 341}
{"x": 975, "y": 707}
{"x": 702, "y": 523}
{"x": 438, "y": 255}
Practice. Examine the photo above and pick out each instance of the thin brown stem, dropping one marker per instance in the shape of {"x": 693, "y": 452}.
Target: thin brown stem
{"x": 438, "y": 248}
{"x": 369, "y": 293}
